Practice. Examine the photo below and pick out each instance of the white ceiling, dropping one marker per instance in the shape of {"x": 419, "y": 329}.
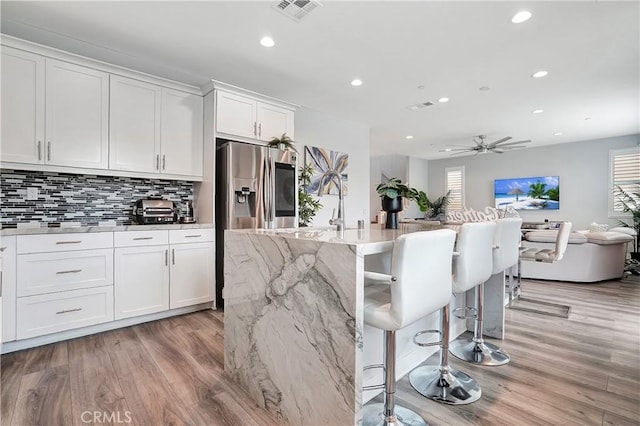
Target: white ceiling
{"x": 590, "y": 49}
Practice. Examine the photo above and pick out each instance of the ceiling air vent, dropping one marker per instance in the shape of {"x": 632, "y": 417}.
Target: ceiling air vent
{"x": 296, "y": 9}
{"x": 420, "y": 105}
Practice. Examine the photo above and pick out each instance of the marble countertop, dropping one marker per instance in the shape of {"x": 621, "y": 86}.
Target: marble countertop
{"x": 87, "y": 229}
{"x": 373, "y": 238}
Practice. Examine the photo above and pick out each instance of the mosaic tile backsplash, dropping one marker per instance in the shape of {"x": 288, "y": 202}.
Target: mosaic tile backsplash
{"x": 88, "y": 199}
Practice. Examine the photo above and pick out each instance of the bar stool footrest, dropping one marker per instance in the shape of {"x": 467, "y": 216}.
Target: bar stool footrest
{"x": 472, "y": 312}
{"x": 422, "y": 344}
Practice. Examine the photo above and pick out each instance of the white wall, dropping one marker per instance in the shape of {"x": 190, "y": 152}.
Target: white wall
{"x": 410, "y": 170}
{"x": 583, "y": 168}
{"x": 318, "y": 129}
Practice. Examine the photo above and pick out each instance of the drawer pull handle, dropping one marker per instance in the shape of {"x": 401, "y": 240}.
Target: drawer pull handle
{"x": 142, "y": 238}
{"x": 72, "y": 271}
{"x": 193, "y": 236}
{"x": 69, "y": 242}
{"x": 68, "y": 310}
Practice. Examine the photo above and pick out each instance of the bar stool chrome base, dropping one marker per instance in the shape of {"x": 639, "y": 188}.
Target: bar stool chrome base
{"x": 372, "y": 415}
{"x": 448, "y": 386}
{"x": 481, "y": 353}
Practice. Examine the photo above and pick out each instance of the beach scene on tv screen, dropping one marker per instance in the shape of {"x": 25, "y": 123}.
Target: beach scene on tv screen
{"x": 531, "y": 193}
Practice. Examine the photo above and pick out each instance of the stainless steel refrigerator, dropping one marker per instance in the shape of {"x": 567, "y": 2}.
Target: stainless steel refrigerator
{"x": 256, "y": 187}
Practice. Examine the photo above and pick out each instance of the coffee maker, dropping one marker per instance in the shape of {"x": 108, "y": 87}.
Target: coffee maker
{"x": 188, "y": 214}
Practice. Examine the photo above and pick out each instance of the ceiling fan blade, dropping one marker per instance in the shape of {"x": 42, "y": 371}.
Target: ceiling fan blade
{"x": 462, "y": 152}
{"x": 499, "y": 141}
{"x": 511, "y": 147}
{"x": 514, "y": 143}
{"x": 461, "y": 146}
{"x": 497, "y": 152}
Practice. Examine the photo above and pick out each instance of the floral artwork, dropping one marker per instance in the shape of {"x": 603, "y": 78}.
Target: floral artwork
{"x": 323, "y": 163}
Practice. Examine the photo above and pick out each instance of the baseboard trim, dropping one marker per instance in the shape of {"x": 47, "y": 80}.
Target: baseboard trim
{"x": 32, "y": 342}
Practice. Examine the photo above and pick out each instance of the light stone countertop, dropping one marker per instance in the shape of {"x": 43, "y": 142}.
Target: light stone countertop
{"x": 374, "y": 238}
{"x": 88, "y": 229}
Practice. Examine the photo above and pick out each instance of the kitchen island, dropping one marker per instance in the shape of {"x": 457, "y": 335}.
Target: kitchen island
{"x": 294, "y": 334}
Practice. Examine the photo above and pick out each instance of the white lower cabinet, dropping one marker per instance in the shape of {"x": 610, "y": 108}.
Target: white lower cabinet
{"x": 63, "y": 281}
{"x": 141, "y": 280}
{"x": 8, "y": 245}
{"x": 49, "y": 313}
{"x": 161, "y": 270}
{"x": 191, "y": 274}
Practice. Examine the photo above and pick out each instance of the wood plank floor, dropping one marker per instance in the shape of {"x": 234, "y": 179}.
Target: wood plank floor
{"x": 584, "y": 370}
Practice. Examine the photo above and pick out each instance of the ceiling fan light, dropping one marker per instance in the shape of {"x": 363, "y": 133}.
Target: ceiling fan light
{"x": 520, "y": 17}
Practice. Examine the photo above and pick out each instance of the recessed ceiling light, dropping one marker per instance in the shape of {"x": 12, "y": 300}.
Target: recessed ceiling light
{"x": 537, "y": 111}
{"x": 587, "y": 118}
{"x": 447, "y": 149}
{"x": 539, "y": 74}
{"x": 356, "y": 82}
{"x": 443, "y": 100}
{"x": 408, "y": 137}
{"x": 558, "y": 134}
{"x": 484, "y": 88}
{"x": 267, "y": 42}
{"x": 521, "y": 17}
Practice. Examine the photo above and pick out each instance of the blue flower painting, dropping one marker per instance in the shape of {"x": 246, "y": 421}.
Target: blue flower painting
{"x": 323, "y": 162}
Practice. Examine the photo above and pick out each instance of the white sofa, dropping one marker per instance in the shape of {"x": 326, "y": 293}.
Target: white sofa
{"x": 590, "y": 256}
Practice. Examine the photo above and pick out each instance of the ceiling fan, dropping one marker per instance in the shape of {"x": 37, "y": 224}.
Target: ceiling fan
{"x": 482, "y": 147}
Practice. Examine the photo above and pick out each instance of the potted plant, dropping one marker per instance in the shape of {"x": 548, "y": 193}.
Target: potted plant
{"x": 391, "y": 193}
{"x": 307, "y": 205}
{"x": 631, "y": 204}
{"x": 435, "y": 209}
{"x": 284, "y": 143}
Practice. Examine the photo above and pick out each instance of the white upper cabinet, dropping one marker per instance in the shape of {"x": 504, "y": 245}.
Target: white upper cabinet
{"x": 77, "y": 116}
{"x": 244, "y": 116}
{"x": 181, "y": 134}
{"x": 154, "y": 129}
{"x": 273, "y": 121}
{"x": 236, "y": 115}
{"x": 134, "y": 125}
{"x": 53, "y": 112}
{"x": 22, "y": 86}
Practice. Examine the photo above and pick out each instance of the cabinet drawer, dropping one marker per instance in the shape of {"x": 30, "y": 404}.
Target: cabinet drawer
{"x": 42, "y": 273}
{"x": 64, "y": 242}
{"x": 190, "y": 235}
{"x": 140, "y": 238}
{"x": 50, "y": 313}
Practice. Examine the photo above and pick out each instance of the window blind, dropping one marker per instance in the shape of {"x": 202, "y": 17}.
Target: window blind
{"x": 625, "y": 175}
{"x": 454, "y": 178}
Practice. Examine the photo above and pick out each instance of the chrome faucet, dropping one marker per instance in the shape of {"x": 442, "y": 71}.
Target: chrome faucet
{"x": 338, "y": 221}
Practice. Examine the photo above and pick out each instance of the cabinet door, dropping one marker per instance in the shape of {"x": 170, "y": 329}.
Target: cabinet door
{"x": 182, "y": 121}
{"x": 134, "y": 125}
{"x": 22, "y": 86}
{"x": 141, "y": 280}
{"x": 273, "y": 121}
{"x": 191, "y": 274}
{"x": 77, "y": 116}
{"x": 9, "y": 288}
{"x": 235, "y": 115}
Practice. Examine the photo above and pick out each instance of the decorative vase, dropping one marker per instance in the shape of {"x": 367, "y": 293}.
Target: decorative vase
{"x": 392, "y": 206}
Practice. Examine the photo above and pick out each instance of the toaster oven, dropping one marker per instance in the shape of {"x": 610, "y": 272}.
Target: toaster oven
{"x": 154, "y": 210}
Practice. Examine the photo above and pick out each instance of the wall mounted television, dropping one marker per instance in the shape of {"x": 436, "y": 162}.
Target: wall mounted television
{"x": 528, "y": 193}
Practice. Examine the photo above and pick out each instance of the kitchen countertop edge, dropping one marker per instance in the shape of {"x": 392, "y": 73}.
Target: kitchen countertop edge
{"x": 87, "y": 229}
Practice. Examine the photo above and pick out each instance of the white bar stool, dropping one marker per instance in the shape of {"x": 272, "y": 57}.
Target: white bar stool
{"x": 471, "y": 266}
{"x": 506, "y": 243}
{"x": 394, "y": 301}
